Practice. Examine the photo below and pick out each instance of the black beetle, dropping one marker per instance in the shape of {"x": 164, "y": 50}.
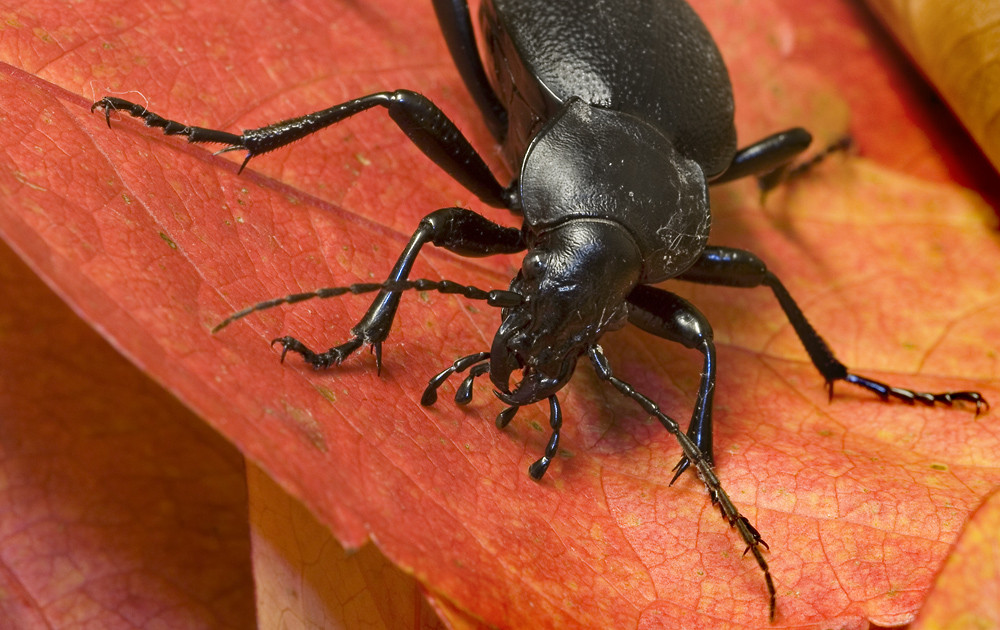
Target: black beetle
{"x": 616, "y": 118}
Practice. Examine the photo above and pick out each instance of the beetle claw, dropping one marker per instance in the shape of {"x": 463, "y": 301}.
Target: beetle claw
{"x": 318, "y": 361}
{"x": 294, "y": 345}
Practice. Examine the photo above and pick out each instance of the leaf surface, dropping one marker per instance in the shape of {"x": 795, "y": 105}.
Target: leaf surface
{"x": 154, "y": 241}
{"x": 118, "y": 507}
{"x": 967, "y": 589}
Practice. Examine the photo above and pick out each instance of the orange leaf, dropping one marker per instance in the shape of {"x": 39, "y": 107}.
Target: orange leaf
{"x": 154, "y": 241}
{"x": 967, "y": 591}
{"x": 955, "y": 44}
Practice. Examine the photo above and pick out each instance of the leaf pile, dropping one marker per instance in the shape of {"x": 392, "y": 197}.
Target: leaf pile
{"x": 154, "y": 241}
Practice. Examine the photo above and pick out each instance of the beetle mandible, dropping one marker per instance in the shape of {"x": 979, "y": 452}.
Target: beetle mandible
{"x": 615, "y": 117}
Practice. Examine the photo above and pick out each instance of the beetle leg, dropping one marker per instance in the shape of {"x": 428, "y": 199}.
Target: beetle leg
{"x": 769, "y": 159}
{"x": 169, "y": 127}
{"x": 769, "y": 181}
{"x": 455, "y": 229}
{"x": 537, "y": 469}
{"x": 460, "y": 365}
{"x": 456, "y": 25}
{"x": 739, "y": 268}
{"x": 420, "y": 119}
{"x": 696, "y": 456}
{"x": 673, "y": 318}
{"x": 767, "y": 155}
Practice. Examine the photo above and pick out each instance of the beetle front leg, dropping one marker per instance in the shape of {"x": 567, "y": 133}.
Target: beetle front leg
{"x": 694, "y": 454}
{"x": 673, "y": 318}
{"x": 739, "y": 268}
{"x": 455, "y": 229}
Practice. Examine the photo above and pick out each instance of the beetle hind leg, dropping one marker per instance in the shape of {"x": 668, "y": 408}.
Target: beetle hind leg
{"x": 771, "y": 180}
{"x": 768, "y": 155}
{"x": 770, "y": 159}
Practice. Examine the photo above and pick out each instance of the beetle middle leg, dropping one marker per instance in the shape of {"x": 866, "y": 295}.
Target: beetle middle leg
{"x": 455, "y": 229}
{"x": 770, "y": 159}
{"x": 456, "y": 26}
{"x": 739, "y": 268}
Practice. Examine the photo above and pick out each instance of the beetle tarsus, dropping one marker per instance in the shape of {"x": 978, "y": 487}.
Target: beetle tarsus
{"x": 754, "y": 533}
{"x": 787, "y": 172}
{"x": 320, "y": 360}
{"x": 885, "y": 392}
{"x": 294, "y": 345}
{"x": 174, "y": 128}
{"x": 841, "y": 144}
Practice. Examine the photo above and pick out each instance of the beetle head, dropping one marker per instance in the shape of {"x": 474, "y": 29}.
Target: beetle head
{"x": 574, "y": 280}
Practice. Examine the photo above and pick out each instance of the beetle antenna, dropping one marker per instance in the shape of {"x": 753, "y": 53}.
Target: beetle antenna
{"x": 496, "y": 297}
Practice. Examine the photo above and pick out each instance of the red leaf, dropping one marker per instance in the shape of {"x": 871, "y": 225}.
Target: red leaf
{"x": 155, "y": 241}
{"x": 302, "y": 574}
{"x": 118, "y": 507}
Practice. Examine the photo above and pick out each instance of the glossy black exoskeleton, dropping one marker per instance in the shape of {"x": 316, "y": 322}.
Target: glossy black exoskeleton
{"x": 616, "y": 117}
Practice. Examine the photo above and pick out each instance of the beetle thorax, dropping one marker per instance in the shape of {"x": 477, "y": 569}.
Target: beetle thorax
{"x": 593, "y": 162}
